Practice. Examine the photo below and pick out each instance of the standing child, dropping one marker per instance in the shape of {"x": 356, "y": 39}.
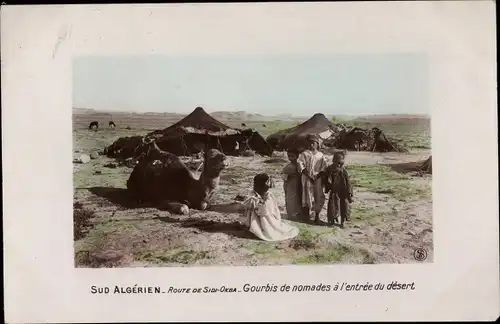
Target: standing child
{"x": 312, "y": 164}
{"x": 292, "y": 186}
{"x": 340, "y": 191}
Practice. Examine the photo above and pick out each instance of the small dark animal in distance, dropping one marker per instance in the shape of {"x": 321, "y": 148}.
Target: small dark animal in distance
{"x": 94, "y": 124}
{"x": 112, "y": 124}
{"x": 264, "y": 125}
{"x": 243, "y": 125}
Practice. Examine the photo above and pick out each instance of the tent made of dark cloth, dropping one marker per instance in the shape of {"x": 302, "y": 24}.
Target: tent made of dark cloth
{"x": 187, "y": 142}
{"x": 126, "y": 147}
{"x": 197, "y": 121}
{"x": 296, "y": 136}
{"x": 194, "y": 133}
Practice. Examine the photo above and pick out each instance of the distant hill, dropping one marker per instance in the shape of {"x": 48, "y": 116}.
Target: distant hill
{"x": 159, "y": 119}
{"x": 285, "y": 115}
{"x": 84, "y": 111}
{"x": 149, "y": 120}
{"x": 340, "y": 117}
{"x": 240, "y": 116}
{"x": 392, "y": 117}
{"x": 94, "y": 112}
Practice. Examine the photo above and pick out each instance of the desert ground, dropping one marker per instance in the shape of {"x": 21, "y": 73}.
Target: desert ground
{"x": 391, "y": 212}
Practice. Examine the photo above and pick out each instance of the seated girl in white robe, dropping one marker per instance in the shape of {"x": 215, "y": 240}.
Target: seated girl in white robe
{"x": 261, "y": 214}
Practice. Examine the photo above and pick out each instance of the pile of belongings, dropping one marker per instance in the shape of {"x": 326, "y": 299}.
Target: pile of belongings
{"x": 195, "y": 133}
{"x": 359, "y": 139}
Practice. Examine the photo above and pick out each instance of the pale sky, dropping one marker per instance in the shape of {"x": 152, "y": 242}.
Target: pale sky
{"x": 299, "y": 85}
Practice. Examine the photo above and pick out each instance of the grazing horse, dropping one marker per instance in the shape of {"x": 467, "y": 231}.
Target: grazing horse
{"x": 112, "y": 124}
{"x": 94, "y": 124}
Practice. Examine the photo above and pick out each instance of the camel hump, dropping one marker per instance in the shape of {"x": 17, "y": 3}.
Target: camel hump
{"x": 171, "y": 161}
{"x": 167, "y": 159}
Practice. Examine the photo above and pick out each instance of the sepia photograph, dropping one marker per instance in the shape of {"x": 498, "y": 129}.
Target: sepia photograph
{"x": 251, "y": 160}
{"x": 264, "y": 162}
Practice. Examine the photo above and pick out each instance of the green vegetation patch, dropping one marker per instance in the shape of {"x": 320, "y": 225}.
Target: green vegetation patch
{"x": 269, "y": 249}
{"x": 369, "y": 215}
{"x": 308, "y": 237}
{"x": 174, "y": 256}
{"x": 335, "y": 253}
{"x": 81, "y": 218}
{"x": 381, "y": 179}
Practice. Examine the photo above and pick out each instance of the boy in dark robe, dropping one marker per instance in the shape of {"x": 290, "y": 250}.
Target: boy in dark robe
{"x": 339, "y": 187}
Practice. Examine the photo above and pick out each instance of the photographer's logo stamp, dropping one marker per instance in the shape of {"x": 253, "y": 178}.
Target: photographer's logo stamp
{"x": 420, "y": 254}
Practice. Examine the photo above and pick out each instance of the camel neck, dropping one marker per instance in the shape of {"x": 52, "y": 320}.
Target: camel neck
{"x": 208, "y": 175}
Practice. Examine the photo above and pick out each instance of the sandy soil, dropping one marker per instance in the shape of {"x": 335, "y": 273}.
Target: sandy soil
{"x": 391, "y": 217}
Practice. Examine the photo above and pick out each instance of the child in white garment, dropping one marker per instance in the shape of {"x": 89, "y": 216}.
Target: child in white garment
{"x": 261, "y": 214}
{"x": 312, "y": 165}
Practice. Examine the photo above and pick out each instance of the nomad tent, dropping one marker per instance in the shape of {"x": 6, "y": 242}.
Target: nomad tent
{"x": 295, "y": 137}
{"x": 334, "y": 135}
{"x": 359, "y": 139}
{"x": 196, "y": 132}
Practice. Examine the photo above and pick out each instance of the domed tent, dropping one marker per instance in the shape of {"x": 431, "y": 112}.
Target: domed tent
{"x": 196, "y": 132}
{"x": 295, "y": 136}
{"x": 198, "y": 121}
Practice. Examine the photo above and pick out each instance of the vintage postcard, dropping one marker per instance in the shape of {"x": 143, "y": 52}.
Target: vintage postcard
{"x": 175, "y": 187}
{"x": 231, "y": 154}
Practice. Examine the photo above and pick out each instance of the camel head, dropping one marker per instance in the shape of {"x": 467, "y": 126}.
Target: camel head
{"x": 215, "y": 162}
{"x": 376, "y": 130}
{"x": 150, "y": 149}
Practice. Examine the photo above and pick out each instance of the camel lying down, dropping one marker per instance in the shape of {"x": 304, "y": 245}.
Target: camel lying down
{"x": 163, "y": 180}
